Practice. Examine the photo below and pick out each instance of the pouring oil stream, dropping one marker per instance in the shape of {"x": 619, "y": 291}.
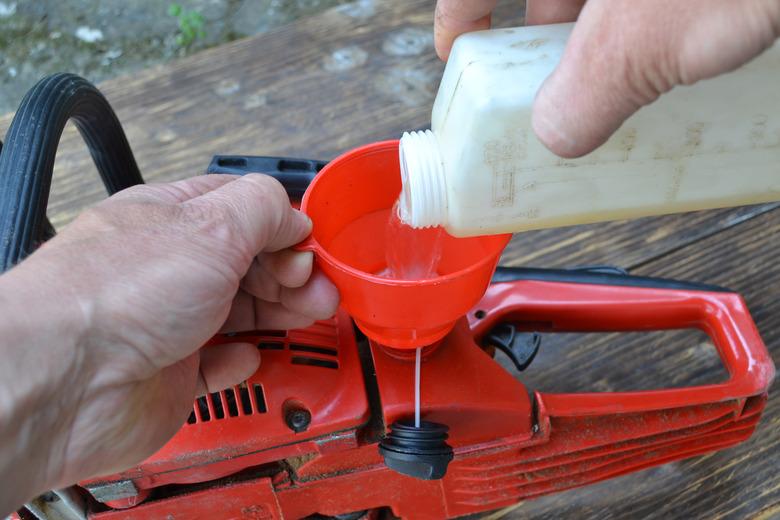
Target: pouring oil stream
{"x": 417, "y": 387}
{"x": 412, "y": 254}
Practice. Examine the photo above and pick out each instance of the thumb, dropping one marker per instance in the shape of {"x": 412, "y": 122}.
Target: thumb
{"x": 624, "y": 55}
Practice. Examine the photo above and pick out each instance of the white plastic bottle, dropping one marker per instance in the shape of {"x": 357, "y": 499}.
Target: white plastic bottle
{"x": 481, "y": 169}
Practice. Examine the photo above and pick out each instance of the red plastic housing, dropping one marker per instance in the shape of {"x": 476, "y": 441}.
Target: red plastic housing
{"x": 508, "y": 445}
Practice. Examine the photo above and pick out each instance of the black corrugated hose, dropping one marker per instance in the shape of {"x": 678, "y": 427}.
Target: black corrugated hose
{"x": 27, "y": 157}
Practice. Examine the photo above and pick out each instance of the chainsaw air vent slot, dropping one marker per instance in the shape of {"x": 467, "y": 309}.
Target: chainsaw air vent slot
{"x": 314, "y": 362}
{"x": 286, "y": 165}
{"x": 246, "y": 401}
{"x": 314, "y": 350}
{"x": 271, "y": 333}
{"x": 203, "y": 408}
{"x": 232, "y": 405}
{"x": 219, "y": 411}
{"x": 259, "y": 398}
{"x": 270, "y": 345}
{"x": 231, "y": 402}
{"x": 232, "y": 162}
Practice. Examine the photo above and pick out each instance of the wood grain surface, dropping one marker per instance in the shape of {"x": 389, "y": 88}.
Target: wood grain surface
{"x": 365, "y": 72}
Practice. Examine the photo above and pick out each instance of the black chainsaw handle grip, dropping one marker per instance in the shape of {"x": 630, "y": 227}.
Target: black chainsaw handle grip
{"x": 294, "y": 174}
{"x": 597, "y": 275}
{"x": 27, "y": 159}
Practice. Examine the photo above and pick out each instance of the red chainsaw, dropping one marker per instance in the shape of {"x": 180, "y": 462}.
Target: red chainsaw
{"x": 323, "y": 429}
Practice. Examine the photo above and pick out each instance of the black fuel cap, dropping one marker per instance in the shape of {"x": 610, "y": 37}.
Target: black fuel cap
{"x": 417, "y": 452}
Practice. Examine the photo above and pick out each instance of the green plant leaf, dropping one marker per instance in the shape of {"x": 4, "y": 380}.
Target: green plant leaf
{"x": 191, "y": 25}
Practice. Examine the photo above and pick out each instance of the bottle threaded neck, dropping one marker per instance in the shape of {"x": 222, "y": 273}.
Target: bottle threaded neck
{"x": 423, "y": 200}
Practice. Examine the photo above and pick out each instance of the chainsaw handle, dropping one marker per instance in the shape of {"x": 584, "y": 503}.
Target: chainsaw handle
{"x": 541, "y": 302}
{"x": 294, "y": 174}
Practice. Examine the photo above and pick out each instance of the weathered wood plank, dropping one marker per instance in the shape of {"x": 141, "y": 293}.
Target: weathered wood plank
{"x": 628, "y": 244}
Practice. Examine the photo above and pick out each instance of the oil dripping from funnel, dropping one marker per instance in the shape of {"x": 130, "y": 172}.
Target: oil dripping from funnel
{"x": 412, "y": 254}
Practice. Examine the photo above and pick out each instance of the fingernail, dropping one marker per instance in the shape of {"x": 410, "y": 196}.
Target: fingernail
{"x": 552, "y": 135}
{"x": 309, "y": 225}
{"x": 303, "y": 260}
{"x": 548, "y": 125}
{"x": 293, "y": 268}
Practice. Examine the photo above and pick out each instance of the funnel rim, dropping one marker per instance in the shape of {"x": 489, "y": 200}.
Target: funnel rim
{"x": 312, "y": 244}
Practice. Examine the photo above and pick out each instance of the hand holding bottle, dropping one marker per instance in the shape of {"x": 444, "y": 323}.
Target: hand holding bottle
{"x": 623, "y": 55}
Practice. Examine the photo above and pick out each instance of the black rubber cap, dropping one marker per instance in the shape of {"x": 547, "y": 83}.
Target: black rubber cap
{"x": 417, "y": 452}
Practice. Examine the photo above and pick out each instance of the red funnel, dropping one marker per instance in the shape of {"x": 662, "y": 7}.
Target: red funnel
{"x": 349, "y": 202}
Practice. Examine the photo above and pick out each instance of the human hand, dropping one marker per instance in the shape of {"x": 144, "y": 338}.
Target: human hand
{"x": 623, "y": 55}
{"x": 112, "y": 312}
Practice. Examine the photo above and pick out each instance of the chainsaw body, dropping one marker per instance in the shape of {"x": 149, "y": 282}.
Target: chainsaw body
{"x": 243, "y": 455}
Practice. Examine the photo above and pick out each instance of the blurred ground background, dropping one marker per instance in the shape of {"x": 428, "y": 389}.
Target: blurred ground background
{"x": 99, "y": 39}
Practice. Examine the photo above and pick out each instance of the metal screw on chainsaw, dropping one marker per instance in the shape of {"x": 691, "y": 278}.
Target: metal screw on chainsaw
{"x": 297, "y": 419}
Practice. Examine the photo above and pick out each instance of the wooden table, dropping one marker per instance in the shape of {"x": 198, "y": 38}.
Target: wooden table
{"x": 365, "y": 72}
